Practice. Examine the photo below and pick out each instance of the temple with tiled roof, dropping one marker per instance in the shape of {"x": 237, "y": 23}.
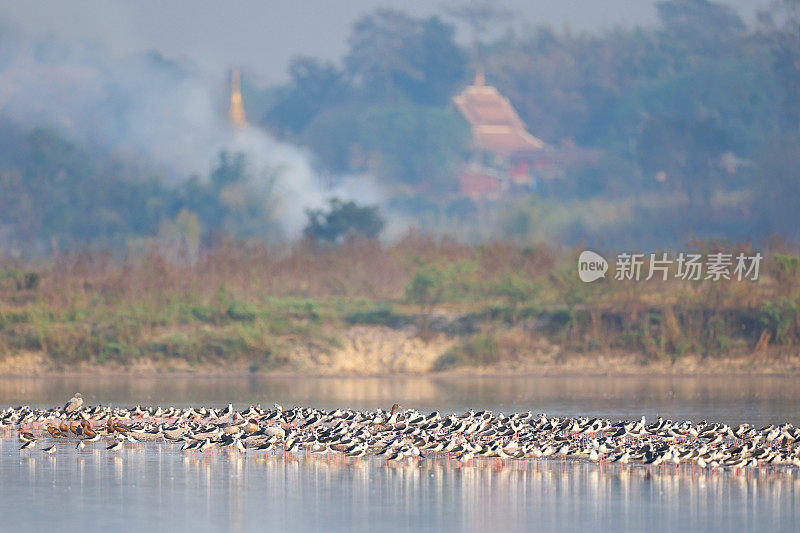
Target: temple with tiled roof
{"x": 496, "y": 126}
{"x": 505, "y": 156}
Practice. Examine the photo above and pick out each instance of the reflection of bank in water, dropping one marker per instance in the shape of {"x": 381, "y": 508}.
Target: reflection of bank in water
{"x": 758, "y": 400}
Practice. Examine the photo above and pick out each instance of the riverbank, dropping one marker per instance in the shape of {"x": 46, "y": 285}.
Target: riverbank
{"x": 362, "y": 308}
{"x": 381, "y": 351}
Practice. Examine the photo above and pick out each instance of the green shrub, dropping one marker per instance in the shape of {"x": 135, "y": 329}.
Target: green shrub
{"x": 381, "y": 315}
{"x": 780, "y": 319}
{"x": 241, "y": 311}
{"x": 476, "y": 351}
{"x": 204, "y": 313}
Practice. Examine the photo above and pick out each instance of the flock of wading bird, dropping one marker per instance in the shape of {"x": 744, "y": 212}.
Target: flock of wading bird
{"x": 401, "y": 435}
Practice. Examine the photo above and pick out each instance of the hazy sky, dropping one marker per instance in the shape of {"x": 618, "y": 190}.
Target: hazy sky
{"x": 264, "y": 35}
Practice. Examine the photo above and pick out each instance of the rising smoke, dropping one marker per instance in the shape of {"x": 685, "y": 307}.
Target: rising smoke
{"x": 149, "y": 108}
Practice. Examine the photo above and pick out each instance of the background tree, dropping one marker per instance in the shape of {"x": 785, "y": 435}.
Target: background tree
{"x": 409, "y": 144}
{"x": 378, "y": 54}
{"x": 241, "y": 200}
{"x": 695, "y": 29}
{"x": 776, "y": 196}
{"x": 343, "y": 219}
{"x": 783, "y": 38}
{"x": 438, "y": 63}
{"x": 53, "y": 190}
{"x": 315, "y": 85}
{"x": 396, "y": 58}
{"x": 686, "y": 153}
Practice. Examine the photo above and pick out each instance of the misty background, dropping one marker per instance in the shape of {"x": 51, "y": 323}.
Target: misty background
{"x": 114, "y": 128}
{"x": 266, "y": 36}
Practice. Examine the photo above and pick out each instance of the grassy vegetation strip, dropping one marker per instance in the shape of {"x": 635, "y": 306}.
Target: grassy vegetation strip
{"x": 244, "y": 302}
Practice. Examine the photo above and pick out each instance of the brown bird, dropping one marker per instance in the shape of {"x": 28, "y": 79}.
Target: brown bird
{"x": 114, "y": 424}
{"x": 251, "y": 426}
{"x": 54, "y": 432}
{"x": 394, "y": 415}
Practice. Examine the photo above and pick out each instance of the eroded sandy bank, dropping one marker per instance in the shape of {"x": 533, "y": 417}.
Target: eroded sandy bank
{"x": 377, "y": 350}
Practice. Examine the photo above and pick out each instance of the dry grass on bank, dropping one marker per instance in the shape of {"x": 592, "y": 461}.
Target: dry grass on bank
{"x": 296, "y": 307}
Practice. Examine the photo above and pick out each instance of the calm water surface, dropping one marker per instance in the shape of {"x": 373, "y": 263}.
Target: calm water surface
{"x": 155, "y": 486}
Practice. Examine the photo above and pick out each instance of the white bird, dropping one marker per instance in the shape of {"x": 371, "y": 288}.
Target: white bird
{"x": 239, "y": 446}
{"x": 73, "y": 404}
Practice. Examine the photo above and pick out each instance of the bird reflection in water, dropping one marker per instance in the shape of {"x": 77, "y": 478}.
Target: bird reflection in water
{"x": 484, "y": 471}
{"x": 237, "y": 491}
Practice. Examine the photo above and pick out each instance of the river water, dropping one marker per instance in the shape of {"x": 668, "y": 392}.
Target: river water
{"x": 154, "y": 485}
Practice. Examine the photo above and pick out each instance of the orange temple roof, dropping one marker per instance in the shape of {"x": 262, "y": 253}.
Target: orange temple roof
{"x": 496, "y": 126}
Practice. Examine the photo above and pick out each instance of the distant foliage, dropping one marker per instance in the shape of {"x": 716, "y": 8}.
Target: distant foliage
{"x": 386, "y": 111}
{"x": 394, "y": 57}
{"x": 415, "y": 145}
{"x": 687, "y": 153}
{"x": 239, "y": 200}
{"x": 343, "y": 219}
{"x": 775, "y": 197}
{"x": 54, "y": 193}
{"x": 315, "y": 85}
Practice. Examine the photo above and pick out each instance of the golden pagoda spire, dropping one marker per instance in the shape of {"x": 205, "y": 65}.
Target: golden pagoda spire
{"x": 236, "y": 110}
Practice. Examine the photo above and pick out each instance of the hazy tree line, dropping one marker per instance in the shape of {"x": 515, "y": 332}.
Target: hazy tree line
{"x": 701, "y": 107}
{"x": 390, "y": 99}
{"x": 59, "y": 194}
{"x": 697, "y": 107}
